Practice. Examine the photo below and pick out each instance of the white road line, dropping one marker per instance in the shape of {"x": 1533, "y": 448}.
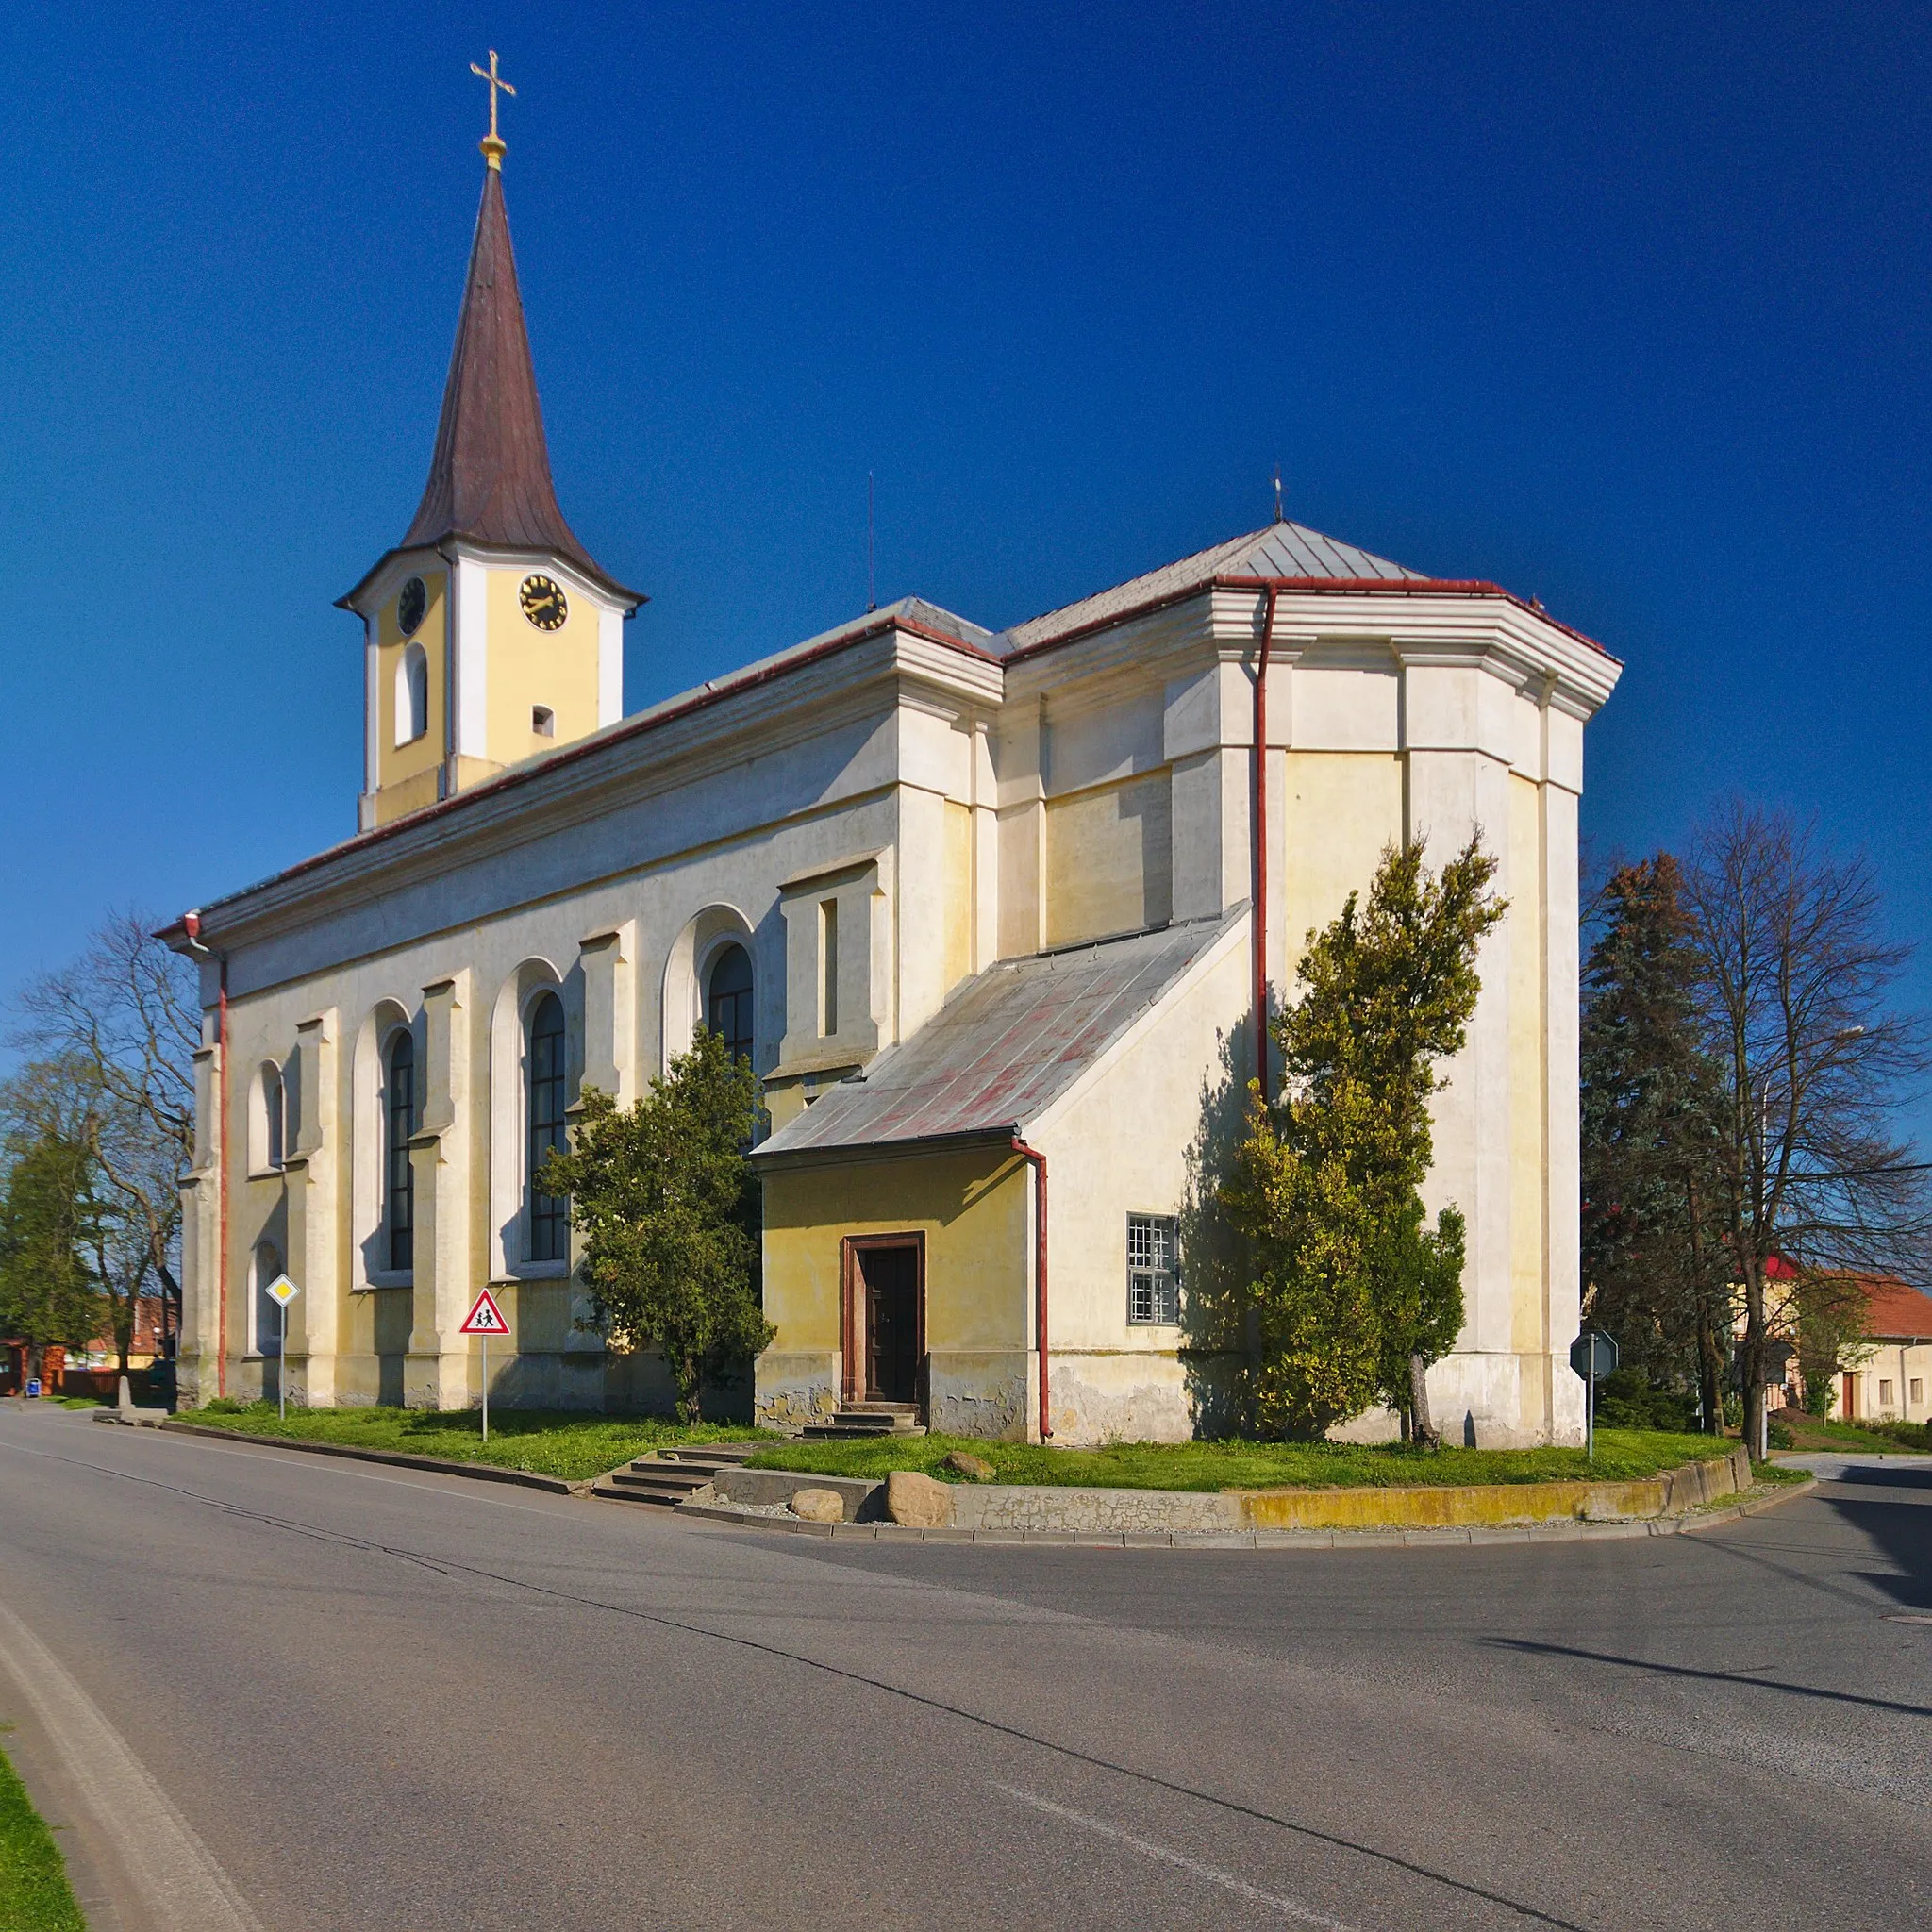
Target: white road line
{"x": 1212, "y": 1873}
{"x": 174, "y": 1875}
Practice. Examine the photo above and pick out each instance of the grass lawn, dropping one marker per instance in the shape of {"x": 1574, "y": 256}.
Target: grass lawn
{"x": 1813, "y": 1432}
{"x": 1619, "y": 1454}
{"x": 34, "y": 1892}
{"x": 571, "y": 1446}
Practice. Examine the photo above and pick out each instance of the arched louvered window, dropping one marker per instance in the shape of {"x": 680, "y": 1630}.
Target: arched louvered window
{"x": 403, "y": 1115}
{"x": 548, "y": 1215}
{"x": 412, "y": 694}
{"x": 728, "y": 1001}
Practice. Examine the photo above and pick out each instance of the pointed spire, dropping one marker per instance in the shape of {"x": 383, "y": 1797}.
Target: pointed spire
{"x": 490, "y": 476}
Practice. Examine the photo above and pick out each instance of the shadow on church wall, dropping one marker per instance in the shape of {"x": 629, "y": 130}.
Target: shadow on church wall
{"x": 1217, "y": 1351}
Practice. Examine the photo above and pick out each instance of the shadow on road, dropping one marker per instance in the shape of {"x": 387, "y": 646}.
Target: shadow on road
{"x": 1657, "y": 1670}
{"x": 1903, "y": 1528}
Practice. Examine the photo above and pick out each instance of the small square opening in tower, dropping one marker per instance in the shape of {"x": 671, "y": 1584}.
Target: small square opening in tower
{"x": 542, "y": 721}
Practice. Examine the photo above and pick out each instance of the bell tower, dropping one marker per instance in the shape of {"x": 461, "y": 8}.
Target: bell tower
{"x": 490, "y": 634}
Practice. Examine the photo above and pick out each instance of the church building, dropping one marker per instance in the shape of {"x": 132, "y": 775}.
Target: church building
{"x": 991, "y": 914}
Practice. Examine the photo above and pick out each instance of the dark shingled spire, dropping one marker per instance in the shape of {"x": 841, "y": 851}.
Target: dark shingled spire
{"x": 489, "y": 477}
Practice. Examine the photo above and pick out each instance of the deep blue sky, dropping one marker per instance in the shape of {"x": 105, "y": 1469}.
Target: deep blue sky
{"x": 1625, "y": 307}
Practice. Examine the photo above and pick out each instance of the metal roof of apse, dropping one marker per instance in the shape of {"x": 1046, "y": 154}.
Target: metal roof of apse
{"x": 1007, "y": 1044}
{"x": 1281, "y": 550}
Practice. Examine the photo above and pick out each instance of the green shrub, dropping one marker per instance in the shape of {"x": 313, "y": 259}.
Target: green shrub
{"x": 1627, "y": 1400}
{"x": 1908, "y": 1435}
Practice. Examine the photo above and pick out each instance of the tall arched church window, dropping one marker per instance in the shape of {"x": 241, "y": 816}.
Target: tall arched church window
{"x": 274, "y": 1115}
{"x": 403, "y": 1115}
{"x": 728, "y": 1001}
{"x": 548, "y": 1215}
{"x": 412, "y": 694}
{"x": 268, "y": 1314}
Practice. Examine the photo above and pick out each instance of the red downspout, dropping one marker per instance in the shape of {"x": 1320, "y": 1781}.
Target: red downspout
{"x": 1039, "y": 1163}
{"x": 1261, "y": 843}
{"x": 191, "y": 925}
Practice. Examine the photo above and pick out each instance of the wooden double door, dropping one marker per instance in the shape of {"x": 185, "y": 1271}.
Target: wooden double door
{"x": 884, "y": 1318}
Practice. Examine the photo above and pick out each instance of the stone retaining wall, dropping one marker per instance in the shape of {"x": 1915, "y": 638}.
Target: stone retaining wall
{"x": 1042, "y": 1508}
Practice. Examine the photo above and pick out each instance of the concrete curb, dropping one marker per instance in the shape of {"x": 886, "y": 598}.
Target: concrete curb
{"x": 1458, "y": 1538}
{"x": 1038, "y": 1510}
{"x": 477, "y": 1472}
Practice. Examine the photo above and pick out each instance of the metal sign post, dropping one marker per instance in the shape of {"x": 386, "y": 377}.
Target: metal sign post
{"x": 484, "y": 1319}
{"x": 1592, "y": 1354}
{"x": 281, "y": 1290}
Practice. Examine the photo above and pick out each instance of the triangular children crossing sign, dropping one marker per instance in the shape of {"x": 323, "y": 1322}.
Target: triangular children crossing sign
{"x": 486, "y": 1318}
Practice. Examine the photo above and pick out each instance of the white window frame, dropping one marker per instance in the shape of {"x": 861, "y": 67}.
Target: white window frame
{"x": 1153, "y": 1271}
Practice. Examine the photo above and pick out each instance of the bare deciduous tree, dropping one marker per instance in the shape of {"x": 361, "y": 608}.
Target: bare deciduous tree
{"x": 1796, "y": 973}
{"x": 124, "y": 1021}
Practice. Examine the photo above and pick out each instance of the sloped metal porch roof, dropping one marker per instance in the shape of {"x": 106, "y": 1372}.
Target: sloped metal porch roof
{"x": 1005, "y": 1046}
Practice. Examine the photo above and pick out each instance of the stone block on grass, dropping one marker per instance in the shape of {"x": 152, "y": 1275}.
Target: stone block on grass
{"x": 918, "y": 1501}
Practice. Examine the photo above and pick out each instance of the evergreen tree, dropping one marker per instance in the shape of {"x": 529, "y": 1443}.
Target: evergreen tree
{"x": 1352, "y": 1295}
{"x": 47, "y": 1215}
{"x": 1654, "y": 1264}
{"x": 669, "y": 1208}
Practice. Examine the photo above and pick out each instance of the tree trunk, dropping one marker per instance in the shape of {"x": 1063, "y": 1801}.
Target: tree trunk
{"x": 1425, "y": 1434}
{"x": 1710, "y": 1365}
{"x": 1754, "y": 1357}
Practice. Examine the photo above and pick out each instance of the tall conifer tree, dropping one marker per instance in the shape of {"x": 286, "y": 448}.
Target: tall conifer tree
{"x": 1351, "y": 1293}
{"x": 1654, "y": 1258}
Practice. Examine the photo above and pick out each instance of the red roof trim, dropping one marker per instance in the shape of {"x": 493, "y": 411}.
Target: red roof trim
{"x": 1328, "y": 587}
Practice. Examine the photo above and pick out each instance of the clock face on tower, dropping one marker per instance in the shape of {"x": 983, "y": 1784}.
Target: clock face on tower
{"x": 544, "y": 603}
{"x": 410, "y": 607}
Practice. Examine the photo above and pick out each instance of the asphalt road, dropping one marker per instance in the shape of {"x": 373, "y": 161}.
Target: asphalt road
{"x": 385, "y": 1700}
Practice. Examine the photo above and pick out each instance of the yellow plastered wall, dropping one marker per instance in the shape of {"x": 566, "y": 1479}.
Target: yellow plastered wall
{"x": 1343, "y": 810}
{"x": 1109, "y": 864}
{"x": 530, "y": 667}
{"x": 413, "y": 763}
{"x": 960, "y": 894}
{"x": 1527, "y": 1085}
{"x": 970, "y": 1206}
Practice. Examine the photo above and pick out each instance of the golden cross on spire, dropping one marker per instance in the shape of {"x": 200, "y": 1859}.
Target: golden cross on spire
{"x": 493, "y": 144}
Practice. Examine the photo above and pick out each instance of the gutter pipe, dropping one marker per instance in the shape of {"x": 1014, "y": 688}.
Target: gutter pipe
{"x": 191, "y": 927}
{"x": 1038, "y": 1161}
{"x": 1273, "y": 589}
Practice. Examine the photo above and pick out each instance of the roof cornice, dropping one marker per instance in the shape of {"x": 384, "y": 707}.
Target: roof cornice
{"x": 756, "y": 710}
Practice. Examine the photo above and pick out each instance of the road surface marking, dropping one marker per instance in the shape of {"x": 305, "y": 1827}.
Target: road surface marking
{"x": 174, "y": 1875}
{"x": 1212, "y": 1873}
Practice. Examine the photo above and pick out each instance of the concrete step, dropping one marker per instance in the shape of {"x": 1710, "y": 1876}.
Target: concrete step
{"x": 867, "y": 1423}
{"x": 668, "y": 1477}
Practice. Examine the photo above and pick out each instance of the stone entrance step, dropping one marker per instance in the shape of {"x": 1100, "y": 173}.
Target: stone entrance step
{"x": 672, "y": 1475}
{"x": 860, "y": 1421}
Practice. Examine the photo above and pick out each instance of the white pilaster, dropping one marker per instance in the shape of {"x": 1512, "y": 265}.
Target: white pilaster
{"x": 609, "y": 665}
{"x": 469, "y": 660}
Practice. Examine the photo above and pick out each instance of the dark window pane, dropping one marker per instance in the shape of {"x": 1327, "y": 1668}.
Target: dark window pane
{"x": 543, "y": 1103}
{"x": 399, "y": 1176}
{"x": 728, "y": 1001}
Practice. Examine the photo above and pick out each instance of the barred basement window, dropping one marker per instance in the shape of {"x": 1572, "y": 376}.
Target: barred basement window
{"x": 1154, "y": 1275}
